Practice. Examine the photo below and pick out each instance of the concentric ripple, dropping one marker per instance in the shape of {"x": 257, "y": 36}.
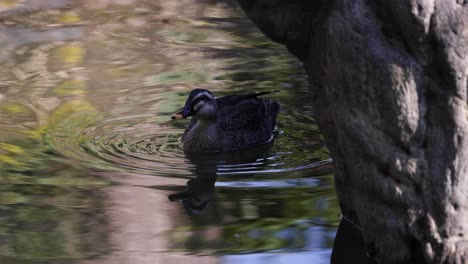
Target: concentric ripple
{"x": 150, "y": 144}
{"x": 149, "y": 148}
{"x": 132, "y": 143}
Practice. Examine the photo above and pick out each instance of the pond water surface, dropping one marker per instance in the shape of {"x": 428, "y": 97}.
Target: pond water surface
{"x": 91, "y": 166}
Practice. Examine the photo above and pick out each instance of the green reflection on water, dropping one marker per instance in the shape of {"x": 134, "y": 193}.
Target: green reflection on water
{"x": 174, "y": 77}
{"x": 246, "y": 220}
{"x": 43, "y": 202}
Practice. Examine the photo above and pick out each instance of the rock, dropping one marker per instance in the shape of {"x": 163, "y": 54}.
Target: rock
{"x": 389, "y": 82}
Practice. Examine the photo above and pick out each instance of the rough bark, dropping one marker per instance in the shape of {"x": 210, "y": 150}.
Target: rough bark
{"x": 389, "y": 82}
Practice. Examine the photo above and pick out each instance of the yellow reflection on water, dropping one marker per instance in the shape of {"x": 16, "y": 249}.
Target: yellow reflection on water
{"x": 68, "y": 17}
{"x": 8, "y": 3}
{"x": 69, "y": 54}
{"x": 70, "y": 87}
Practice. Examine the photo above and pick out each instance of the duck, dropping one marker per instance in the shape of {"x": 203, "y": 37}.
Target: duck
{"x": 227, "y": 123}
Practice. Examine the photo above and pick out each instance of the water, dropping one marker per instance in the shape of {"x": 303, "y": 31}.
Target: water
{"x": 89, "y": 158}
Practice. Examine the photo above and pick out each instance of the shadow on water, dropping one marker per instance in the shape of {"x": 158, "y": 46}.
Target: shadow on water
{"x": 349, "y": 245}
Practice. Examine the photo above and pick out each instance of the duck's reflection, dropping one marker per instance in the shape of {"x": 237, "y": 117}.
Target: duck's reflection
{"x": 197, "y": 195}
{"x": 200, "y": 190}
{"x": 348, "y": 244}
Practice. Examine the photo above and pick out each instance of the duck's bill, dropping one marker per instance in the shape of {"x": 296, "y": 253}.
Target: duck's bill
{"x": 184, "y": 113}
{"x": 177, "y": 116}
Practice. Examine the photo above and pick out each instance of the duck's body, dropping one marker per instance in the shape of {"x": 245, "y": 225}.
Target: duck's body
{"x": 228, "y": 123}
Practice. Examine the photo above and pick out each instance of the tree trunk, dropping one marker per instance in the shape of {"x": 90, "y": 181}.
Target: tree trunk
{"x": 389, "y": 82}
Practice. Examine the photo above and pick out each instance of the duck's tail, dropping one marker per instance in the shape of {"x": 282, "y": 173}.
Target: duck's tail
{"x": 264, "y": 92}
{"x": 256, "y": 94}
{"x": 234, "y": 99}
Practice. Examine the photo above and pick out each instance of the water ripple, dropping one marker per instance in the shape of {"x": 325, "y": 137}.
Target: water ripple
{"x": 150, "y": 144}
{"x": 133, "y": 143}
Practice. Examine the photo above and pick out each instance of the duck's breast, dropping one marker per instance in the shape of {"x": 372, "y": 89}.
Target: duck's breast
{"x": 202, "y": 138}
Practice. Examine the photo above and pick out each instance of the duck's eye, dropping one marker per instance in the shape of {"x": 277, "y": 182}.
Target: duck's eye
{"x": 199, "y": 101}
{"x": 198, "y": 105}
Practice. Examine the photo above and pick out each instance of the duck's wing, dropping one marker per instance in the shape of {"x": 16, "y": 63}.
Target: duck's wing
{"x": 232, "y": 100}
{"x": 247, "y": 111}
{"x": 247, "y": 120}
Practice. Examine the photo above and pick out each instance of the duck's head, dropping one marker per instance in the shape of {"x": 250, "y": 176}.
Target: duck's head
{"x": 201, "y": 104}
